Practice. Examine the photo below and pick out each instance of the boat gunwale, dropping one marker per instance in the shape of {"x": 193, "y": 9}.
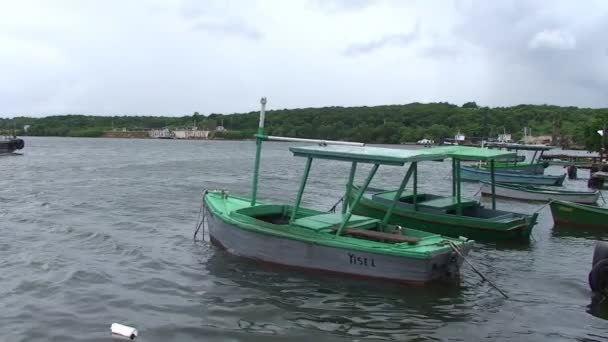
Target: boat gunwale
{"x": 515, "y": 224}
{"x": 331, "y": 240}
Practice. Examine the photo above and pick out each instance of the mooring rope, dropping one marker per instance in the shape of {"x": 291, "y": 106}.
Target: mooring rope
{"x": 457, "y": 250}
{"x": 201, "y": 222}
{"x": 602, "y": 196}
{"x": 333, "y": 208}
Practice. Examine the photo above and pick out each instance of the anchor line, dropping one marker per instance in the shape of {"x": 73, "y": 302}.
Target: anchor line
{"x": 201, "y": 222}
{"x": 602, "y": 196}
{"x": 457, "y": 250}
{"x": 333, "y": 208}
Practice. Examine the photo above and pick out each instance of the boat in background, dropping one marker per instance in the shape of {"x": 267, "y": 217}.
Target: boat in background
{"x": 535, "y": 166}
{"x": 447, "y": 215}
{"x": 10, "y": 144}
{"x": 533, "y": 193}
{"x": 579, "y": 215}
{"x": 344, "y": 243}
{"x": 475, "y": 174}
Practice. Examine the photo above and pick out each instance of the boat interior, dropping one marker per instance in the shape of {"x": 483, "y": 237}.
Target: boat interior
{"x": 435, "y": 204}
{"x": 360, "y": 227}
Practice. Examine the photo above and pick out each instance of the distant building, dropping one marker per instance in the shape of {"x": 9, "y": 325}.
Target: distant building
{"x": 190, "y": 134}
{"x": 164, "y": 133}
{"x": 220, "y": 129}
{"x": 541, "y": 139}
{"x": 26, "y": 128}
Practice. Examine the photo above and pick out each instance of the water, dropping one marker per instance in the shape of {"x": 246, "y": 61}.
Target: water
{"x": 96, "y": 231}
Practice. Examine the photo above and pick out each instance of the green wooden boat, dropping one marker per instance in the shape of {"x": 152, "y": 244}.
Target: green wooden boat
{"x": 535, "y": 166}
{"x": 343, "y": 242}
{"x": 578, "y": 215}
{"x": 450, "y": 215}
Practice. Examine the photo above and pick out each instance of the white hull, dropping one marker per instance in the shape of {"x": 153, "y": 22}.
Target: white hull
{"x": 545, "y": 196}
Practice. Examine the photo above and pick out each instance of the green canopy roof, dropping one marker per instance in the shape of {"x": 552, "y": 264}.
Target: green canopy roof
{"x": 395, "y": 156}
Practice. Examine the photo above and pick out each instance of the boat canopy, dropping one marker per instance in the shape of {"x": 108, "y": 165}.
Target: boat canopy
{"x": 394, "y": 156}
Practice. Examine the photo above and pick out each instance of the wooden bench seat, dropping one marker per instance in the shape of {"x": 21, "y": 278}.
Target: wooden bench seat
{"x": 374, "y": 235}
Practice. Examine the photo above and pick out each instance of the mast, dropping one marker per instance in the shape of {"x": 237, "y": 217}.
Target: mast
{"x": 259, "y": 137}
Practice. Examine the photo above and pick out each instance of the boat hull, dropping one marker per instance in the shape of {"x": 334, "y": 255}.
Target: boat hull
{"x": 578, "y": 215}
{"x": 529, "y": 194}
{"x": 532, "y": 169}
{"x": 449, "y": 225}
{"x": 474, "y": 174}
{"x": 304, "y": 255}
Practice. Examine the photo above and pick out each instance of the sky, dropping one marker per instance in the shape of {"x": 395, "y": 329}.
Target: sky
{"x": 171, "y": 57}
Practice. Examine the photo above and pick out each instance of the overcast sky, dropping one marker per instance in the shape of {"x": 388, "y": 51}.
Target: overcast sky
{"x": 168, "y": 57}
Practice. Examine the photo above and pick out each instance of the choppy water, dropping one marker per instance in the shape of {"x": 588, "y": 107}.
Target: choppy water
{"x": 96, "y": 231}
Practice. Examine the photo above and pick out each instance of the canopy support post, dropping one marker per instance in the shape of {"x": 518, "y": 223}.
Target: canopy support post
{"x": 458, "y": 187}
{"x": 493, "y": 184}
{"x": 453, "y": 177}
{"x": 415, "y": 199}
{"x": 534, "y": 158}
{"x": 406, "y": 179}
{"x": 301, "y": 190}
{"x": 349, "y": 212}
{"x": 258, "y": 151}
{"x": 351, "y": 178}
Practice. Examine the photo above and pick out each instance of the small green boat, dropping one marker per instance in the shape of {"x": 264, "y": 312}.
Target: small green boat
{"x": 449, "y": 215}
{"x": 578, "y": 215}
{"x": 535, "y": 166}
{"x": 344, "y": 243}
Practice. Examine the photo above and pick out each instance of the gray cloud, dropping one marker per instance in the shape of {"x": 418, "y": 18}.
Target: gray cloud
{"x": 174, "y": 58}
{"x": 398, "y": 40}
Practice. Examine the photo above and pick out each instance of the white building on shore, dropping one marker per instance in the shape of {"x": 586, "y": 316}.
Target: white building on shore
{"x": 191, "y": 134}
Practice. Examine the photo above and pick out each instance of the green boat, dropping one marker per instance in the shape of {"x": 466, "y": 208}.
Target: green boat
{"x": 535, "y": 166}
{"x": 448, "y": 215}
{"x": 343, "y": 242}
{"x": 578, "y": 215}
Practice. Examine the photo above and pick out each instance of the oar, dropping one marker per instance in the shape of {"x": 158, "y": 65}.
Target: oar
{"x": 455, "y": 248}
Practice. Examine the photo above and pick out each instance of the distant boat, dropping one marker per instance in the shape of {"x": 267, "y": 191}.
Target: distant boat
{"x": 579, "y": 215}
{"x": 534, "y": 166}
{"x": 532, "y": 193}
{"x": 425, "y": 142}
{"x": 10, "y": 144}
{"x": 475, "y": 174}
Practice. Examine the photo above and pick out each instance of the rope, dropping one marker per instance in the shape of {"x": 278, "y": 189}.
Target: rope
{"x": 201, "y": 222}
{"x": 543, "y": 207}
{"x": 333, "y": 208}
{"x": 455, "y": 248}
{"x": 602, "y": 196}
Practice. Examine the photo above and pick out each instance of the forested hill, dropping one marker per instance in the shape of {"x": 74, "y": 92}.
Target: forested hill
{"x": 380, "y": 124}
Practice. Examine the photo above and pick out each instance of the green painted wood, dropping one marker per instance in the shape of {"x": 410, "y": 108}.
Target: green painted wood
{"x": 317, "y": 228}
{"x": 397, "y": 196}
{"x": 256, "y": 165}
{"x": 493, "y": 181}
{"x": 458, "y": 187}
{"x": 353, "y": 205}
{"x": 349, "y": 186}
{"x": 392, "y": 156}
{"x": 415, "y": 199}
{"x": 509, "y": 227}
{"x": 454, "y": 177}
{"x": 579, "y": 215}
{"x": 301, "y": 189}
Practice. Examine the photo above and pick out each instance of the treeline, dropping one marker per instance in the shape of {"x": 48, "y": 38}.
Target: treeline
{"x": 390, "y": 124}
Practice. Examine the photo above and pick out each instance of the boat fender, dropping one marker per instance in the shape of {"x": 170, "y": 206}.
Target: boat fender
{"x": 601, "y": 252}
{"x": 598, "y": 278}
